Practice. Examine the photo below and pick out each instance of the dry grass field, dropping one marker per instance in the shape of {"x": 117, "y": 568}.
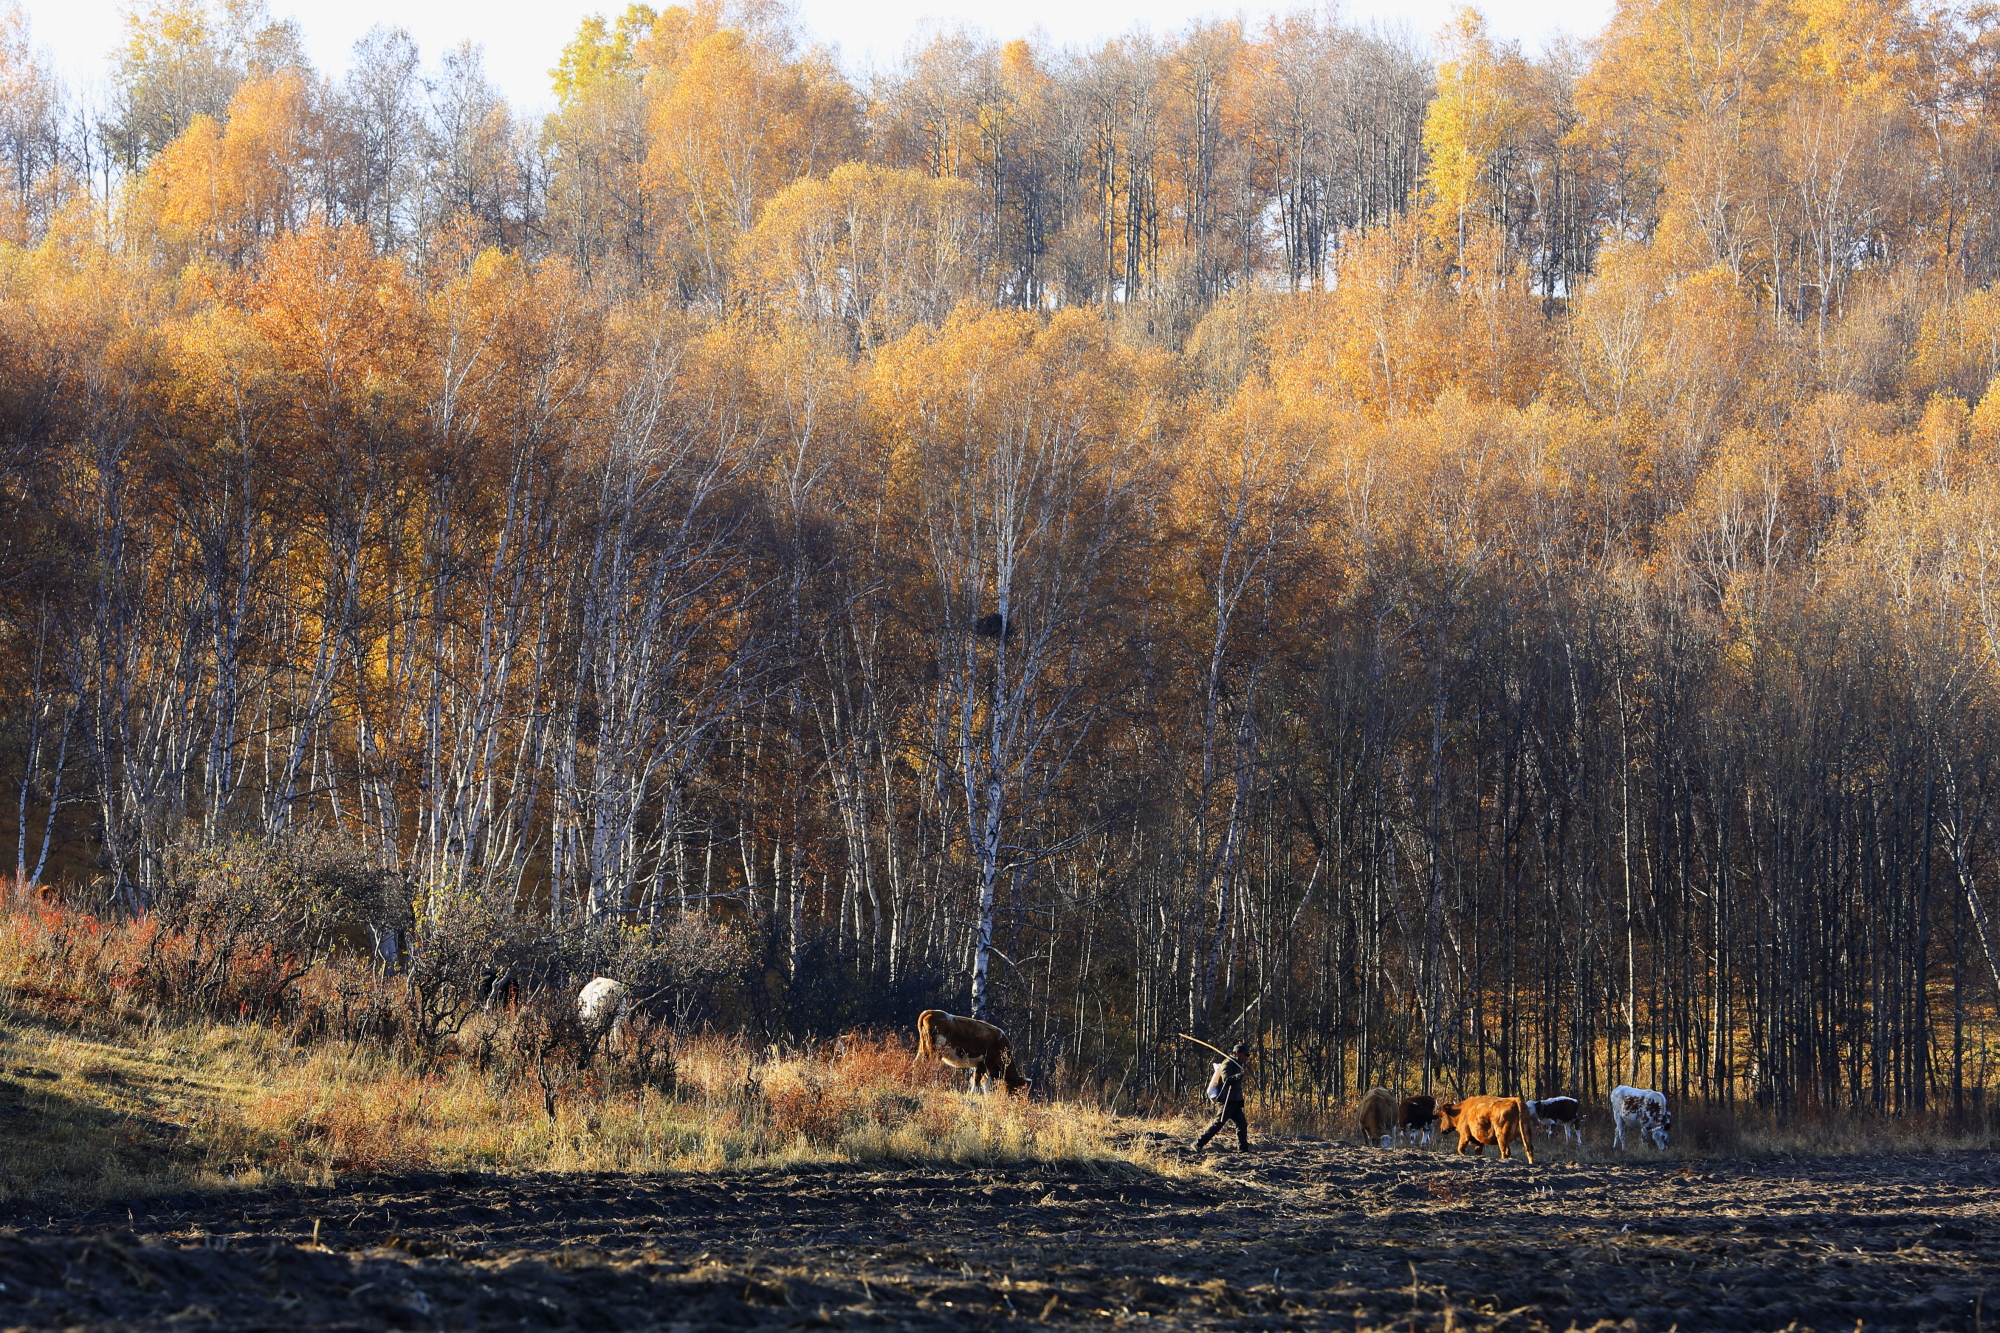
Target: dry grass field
{"x": 311, "y": 1165}
{"x": 112, "y": 1089}
{"x": 105, "y": 1114}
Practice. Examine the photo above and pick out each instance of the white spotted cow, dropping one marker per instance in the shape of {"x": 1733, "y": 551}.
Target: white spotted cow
{"x": 1553, "y": 1112}
{"x": 1642, "y": 1111}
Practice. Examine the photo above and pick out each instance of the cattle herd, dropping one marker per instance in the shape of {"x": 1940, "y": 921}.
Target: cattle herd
{"x": 1503, "y": 1121}
{"x": 1382, "y": 1117}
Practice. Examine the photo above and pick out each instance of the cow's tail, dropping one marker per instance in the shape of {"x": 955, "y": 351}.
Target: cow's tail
{"x": 924, "y": 1023}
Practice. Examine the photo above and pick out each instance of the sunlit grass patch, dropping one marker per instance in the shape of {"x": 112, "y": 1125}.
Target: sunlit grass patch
{"x": 83, "y": 1119}
{"x": 155, "y": 1108}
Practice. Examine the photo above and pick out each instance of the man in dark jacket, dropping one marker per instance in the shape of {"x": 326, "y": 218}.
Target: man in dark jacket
{"x": 1225, "y": 1089}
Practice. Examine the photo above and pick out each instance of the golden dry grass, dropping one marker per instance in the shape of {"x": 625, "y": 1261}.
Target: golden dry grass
{"x": 143, "y": 1109}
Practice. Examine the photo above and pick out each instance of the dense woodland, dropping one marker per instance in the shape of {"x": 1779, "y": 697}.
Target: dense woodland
{"x": 1459, "y": 567}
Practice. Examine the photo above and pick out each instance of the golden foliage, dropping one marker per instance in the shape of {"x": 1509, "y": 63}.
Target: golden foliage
{"x": 870, "y": 251}
{"x": 1406, "y": 321}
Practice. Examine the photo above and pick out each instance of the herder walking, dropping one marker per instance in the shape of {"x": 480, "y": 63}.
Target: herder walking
{"x": 1225, "y": 1089}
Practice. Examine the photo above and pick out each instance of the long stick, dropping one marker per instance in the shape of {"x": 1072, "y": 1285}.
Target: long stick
{"x": 1199, "y": 1042}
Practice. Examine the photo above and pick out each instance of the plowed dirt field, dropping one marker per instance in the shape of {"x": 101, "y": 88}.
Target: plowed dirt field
{"x": 1299, "y": 1234}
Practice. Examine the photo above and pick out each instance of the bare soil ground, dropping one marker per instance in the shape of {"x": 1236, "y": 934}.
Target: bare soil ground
{"x": 1300, "y": 1234}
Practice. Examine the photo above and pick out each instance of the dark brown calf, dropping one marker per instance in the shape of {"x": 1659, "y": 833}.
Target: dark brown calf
{"x": 1416, "y": 1118}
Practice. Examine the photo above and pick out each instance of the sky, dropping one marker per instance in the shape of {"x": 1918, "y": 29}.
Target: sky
{"x": 523, "y": 40}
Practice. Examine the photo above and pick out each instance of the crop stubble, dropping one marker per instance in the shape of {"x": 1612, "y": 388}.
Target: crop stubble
{"x": 1301, "y": 1234}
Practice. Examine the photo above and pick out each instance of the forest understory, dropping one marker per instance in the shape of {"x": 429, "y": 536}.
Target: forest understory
{"x": 1299, "y": 1233}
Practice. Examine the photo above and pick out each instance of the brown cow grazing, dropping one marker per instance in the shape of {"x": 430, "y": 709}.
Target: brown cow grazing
{"x": 1376, "y": 1116}
{"x": 967, "y": 1043}
{"x": 1416, "y": 1118}
{"x": 1483, "y": 1120}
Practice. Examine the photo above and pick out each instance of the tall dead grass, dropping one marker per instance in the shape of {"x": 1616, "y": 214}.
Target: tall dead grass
{"x": 318, "y": 1071}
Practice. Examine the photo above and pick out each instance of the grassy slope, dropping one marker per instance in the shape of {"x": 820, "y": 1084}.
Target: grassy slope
{"x": 109, "y": 1109}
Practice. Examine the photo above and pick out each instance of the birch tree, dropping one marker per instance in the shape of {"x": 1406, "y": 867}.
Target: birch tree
{"x": 1014, "y": 447}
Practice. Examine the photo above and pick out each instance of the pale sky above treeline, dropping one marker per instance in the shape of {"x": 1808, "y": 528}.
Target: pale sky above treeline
{"x": 523, "y": 40}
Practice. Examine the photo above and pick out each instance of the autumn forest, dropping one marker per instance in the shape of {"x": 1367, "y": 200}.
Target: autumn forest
{"x": 1457, "y": 567}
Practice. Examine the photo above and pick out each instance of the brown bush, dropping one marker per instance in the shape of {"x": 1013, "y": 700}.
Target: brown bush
{"x": 890, "y": 1109}
{"x": 937, "y": 1120}
{"x": 235, "y": 924}
{"x": 871, "y": 1058}
{"x": 807, "y": 1110}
